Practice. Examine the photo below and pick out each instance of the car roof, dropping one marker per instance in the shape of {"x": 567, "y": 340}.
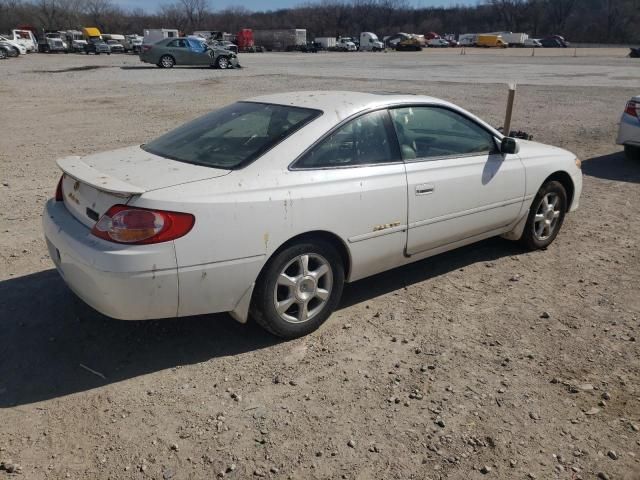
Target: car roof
{"x": 343, "y": 103}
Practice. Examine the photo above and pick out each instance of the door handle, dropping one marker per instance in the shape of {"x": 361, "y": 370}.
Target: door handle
{"x": 424, "y": 189}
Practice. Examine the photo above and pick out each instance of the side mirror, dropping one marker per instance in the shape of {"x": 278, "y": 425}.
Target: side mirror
{"x": 509, "y": 146}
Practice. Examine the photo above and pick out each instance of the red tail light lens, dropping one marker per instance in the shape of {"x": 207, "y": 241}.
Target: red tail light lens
{"x": 146, "y": 48}
{"x": 59, "y": 194}
{"x": 632, "y": 108}
{"x": 141, "y": 226}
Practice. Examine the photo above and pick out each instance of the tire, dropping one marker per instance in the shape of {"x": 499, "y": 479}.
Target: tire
{"x": 544, "y": 223}
{"x": 166, "y": 61}
{"x": 222, "y": 63}
{"x": 3, "y": 54}
{"x": 298, "y": 290}
{"x": 632, "y": 152}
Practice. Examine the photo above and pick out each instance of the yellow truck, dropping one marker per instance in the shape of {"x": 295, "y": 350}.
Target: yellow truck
{"x": 91, "y": 33}
{"x": 488, "y": 41}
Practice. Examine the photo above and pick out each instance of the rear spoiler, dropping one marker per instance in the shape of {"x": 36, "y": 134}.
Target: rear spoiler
{"x": 76, "y": 168}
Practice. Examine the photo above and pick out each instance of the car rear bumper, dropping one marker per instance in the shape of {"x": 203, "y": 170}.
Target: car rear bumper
{"x": 127, "y": 282}
{"x": 629, "y": 131}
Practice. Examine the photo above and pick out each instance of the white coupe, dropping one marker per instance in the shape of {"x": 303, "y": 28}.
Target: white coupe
{"x": 268, "y": 206}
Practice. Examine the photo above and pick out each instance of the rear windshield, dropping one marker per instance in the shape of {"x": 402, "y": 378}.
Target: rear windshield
{"x": 233, "y": 136}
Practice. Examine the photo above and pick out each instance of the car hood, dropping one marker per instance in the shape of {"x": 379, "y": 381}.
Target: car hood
{"x": 133, "y": 170}
{"x": 529, "y": 148}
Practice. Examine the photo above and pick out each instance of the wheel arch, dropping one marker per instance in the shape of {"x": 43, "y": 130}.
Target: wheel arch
{"x": 326, "y": 236}
{"x": 565, "y": 180}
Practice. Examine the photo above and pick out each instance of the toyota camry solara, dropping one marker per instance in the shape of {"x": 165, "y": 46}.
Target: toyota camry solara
{"x": 266, "y": 207}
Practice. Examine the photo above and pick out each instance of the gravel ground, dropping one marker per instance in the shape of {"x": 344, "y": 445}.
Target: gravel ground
{"x": 485, "y": 362}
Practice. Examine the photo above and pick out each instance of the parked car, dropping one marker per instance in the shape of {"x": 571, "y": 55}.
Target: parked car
{"x": 634, "y": 52}
{"x": 554, "y": 41}
{"x": 97, "y": 46}
{"x": 270, "y": 205}
{"x": 19, "y": 48}
{"x": 438, "y": 43}
{"x": 187, "y": 51}
{"x": 532, "y": 43}
{"x": 115, "y": 46}
{"x": 9, "y": 48}
{"x": 629, "y": 131}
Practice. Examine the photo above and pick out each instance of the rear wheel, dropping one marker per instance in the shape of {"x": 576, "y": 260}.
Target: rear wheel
{"x": 166, "y": 61}
{"x": 632, "y": 152}
{"x": 545, "y": 216}
{"x": 3, "y": 53}
{"x": 298, "y": 289}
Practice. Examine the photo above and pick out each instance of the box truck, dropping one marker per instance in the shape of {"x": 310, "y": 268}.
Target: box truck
{"x": 281, "y": 40}
{"x": 489, "y": 41}
{"x": 153, "y": 35}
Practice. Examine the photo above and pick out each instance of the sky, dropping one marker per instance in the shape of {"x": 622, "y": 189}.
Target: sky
{"x": 152, "y": 5}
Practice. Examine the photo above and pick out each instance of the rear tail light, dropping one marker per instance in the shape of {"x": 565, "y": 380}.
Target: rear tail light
{"x": 140, "y": 226}
{"x": 632, "y": 108}
{"x": 59, "y": 194}
{"x": 146, "y": 48}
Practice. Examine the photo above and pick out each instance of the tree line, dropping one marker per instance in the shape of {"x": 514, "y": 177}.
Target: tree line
{"x": 591, "y": 21}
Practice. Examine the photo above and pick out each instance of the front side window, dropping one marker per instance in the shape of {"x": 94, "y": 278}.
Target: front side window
{"x": 196, "y": 45}
{"x": 362, "y": 141}
{"x": 233, "y": 136}
{"x": 429, "y": 132}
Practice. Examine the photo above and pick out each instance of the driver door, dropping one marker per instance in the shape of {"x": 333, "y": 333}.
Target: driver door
{"x": 460, "y": 185}
{"x": 199, "y": 53}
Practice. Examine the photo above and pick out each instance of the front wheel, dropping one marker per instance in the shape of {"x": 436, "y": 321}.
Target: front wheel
{"x": 632, "y": 152}
{"x": 222, "y": 63}
{"x": 298, "y": 289}
{"x": 545, "y": 216}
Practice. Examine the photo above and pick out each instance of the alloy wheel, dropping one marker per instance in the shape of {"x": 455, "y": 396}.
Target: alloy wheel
{"x": 547, "y": 216}
{"x": 303, "y": 288}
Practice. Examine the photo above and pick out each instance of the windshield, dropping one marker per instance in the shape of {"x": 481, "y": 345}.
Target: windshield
{"x": 233, "y": 136}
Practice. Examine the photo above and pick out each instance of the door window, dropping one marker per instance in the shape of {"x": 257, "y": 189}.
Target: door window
{"x": 431, "y": 132}
{"x": 178, "y": 44}
{"x": 196, "y": 45}
{"x": 362, "y": 141}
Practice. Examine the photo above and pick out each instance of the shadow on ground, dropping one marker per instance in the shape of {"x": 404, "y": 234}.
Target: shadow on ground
{"x": 47, "y": 333}
{"x": 614, "y": 166}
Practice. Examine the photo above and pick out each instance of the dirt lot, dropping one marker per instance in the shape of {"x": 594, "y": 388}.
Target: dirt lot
{"x": 527, "y": 364}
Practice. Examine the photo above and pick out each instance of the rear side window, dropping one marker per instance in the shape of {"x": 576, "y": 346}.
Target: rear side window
{"x": 233, "y": 136}
{"x": 362, "y": 141}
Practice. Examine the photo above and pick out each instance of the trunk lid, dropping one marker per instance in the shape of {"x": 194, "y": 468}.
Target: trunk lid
{"x": 92, "y": 184}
